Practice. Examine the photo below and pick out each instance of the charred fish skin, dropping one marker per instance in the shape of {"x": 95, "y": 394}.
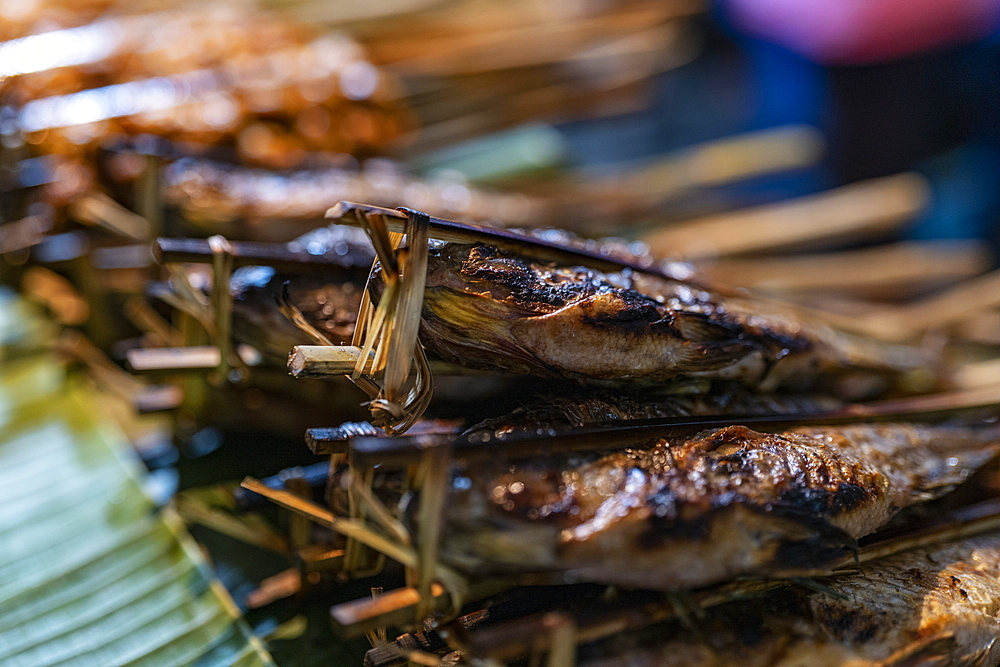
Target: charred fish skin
{"x": 933, "y": 607}
{"x": 487, "y": 308}
{"x": 727, "y": 503}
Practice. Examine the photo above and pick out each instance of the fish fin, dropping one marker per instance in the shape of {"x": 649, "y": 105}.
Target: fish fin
{"x": 685, "y": 609}
{"x": 813, "y": 585}
{"x": 698, "y": 328}
{"x": 712, "y": 356}
{"x": 708, "y": 345}
{"x": 926, "y": 652}
{"x": 815, "y": 545}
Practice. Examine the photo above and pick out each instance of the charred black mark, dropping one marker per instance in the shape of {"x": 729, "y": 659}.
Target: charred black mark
{"x": 811, "y": 553}
{"x": 956, "y": 583}
{"x": 851, "y": 624}
{"x": 662, "y": 529}
{"x": 843, "y": 498}
{"x": 636, "y": 314}
{"x": 525, "y": 283}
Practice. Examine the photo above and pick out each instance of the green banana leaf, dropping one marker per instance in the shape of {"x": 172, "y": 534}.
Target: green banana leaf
{"x": 22, "y": 326}
{"x": 90, "y": 573}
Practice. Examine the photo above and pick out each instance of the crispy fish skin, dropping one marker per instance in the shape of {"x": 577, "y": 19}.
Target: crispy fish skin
{"x": 726, "y": 503}
{"x": 486, "y": 308}
{"x": 932, "y": 607}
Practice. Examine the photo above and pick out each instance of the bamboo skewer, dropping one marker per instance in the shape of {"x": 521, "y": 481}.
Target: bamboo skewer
{"x": 947, "y": 307}
{"x": 903, "y": 264}
{"x": 728, "y": 159}
{"x": 978, "y": 374}
{"x": 358, "y": 530}
{"x": 433, "y": 489}
{"x": 140, "y": 313}
{"x": 309, "y": 361}
{"x": 966, "y": 522}
{"x": 408, "y": 449}
{"x": 982, "y": 327}
{"x": 457, "y": 232}
{"x": 863, "y": 208}
{"x": 516, "y": 46}
{"x": 222, "y": 298}
{"x": 248, "y": 253}
{"x": 325, "y": 441}
{"x": 24, "y": 233}
{"x": 97, "y": 208}
{"x": 392, "y": 608}
{"x": 159, "y": 359}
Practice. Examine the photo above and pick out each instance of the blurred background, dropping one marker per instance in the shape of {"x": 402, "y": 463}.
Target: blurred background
{"x": 841, "y": 154}
{"x": 609, "y": 118}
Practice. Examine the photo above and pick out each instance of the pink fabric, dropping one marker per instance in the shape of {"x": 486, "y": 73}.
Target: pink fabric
{"x": 865, "y": 31}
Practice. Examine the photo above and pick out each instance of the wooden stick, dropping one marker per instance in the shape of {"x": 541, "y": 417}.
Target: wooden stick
{"x": 947, "y": 307}
{"x": 982, "y": 327}
{"x": 358, "y": 559}
{"x": 722, "y": 160}
{"x": 863, "y": 208}
{"x": 433, "y": 490}
{"x": 173, "y": 359}
{"x": 248, "y": 253}
{"x": 917, "y": 263}
{"x": 157, "y": 397}
{"x": 317, "y": 361}
{"x": 333, "y": 440}
{"x": 145, "y": 317}
{"x": 969, "y": 521}
{"x": 277, "y": 587}
{"x": 313, "y": 361}
{"x": 149, "y": 194}
{"x": 458, "y": 232}
{"x": 96, "y": 208}
{"x": 349, "y": 527}
{"x": 24, "y": 233}
{"x": 561, "y": 628}
{"x": 395, "y": 608}
{"x": 319, "y": 558}
{"x": 978, "y": 374}
{"x": 222, "y": 299}
{"x": 408, "y": 449}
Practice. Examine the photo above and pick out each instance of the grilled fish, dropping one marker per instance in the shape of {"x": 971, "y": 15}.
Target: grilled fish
{"x": 487, "y": 308}
{"x": 725, "y": 503}
{"x": 932, "y": 607}
{"x": 329, "y": 304}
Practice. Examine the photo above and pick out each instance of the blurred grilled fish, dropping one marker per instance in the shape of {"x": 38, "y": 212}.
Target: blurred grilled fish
{"x": 487, "y": 308}
{"x": 328, "y": 303}
{"x": 726, "y": 503}
{"x": 930, "y": 607}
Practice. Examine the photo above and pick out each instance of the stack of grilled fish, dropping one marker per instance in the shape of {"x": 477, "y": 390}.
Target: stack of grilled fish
{"x": 721, "y": 504}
